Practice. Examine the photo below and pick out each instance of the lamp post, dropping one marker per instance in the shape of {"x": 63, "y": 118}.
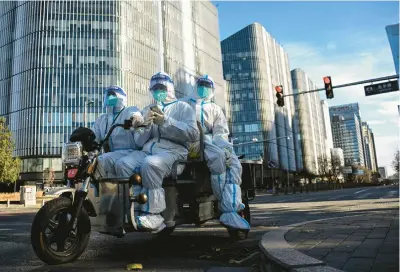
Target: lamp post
{"x": 87, "y": 103}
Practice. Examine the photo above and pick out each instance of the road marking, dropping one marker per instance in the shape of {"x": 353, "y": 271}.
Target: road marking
{"x": 390, "y": 194}
{"x": 364, "y": 195}
{"x": 280, "y": 201}
{"x": 308, "y": 199}
{"x": 360, "y": 191}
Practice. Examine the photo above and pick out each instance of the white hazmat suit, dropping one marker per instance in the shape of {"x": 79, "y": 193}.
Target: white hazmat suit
{"x": 225, "y": 167}
{"x": 164, "y": 141}
{"x": 121, "y": 143}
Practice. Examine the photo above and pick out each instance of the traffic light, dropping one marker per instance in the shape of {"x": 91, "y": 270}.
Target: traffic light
{"x": 328, "y": 87}
{"x": 279, "y": 95}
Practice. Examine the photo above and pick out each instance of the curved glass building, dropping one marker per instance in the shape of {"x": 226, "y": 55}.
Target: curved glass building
{"x": 58, "y": 57}
{"x": 254, "y": 63}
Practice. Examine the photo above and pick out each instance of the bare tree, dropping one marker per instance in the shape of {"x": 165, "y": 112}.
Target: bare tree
{"x": 336, "y": 168}
{"x": 324, "y": 166}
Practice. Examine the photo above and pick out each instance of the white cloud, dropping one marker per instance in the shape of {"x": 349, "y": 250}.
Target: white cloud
{"x": 385, "y": 148}
{"x": 389, "y": 108}
{"x": 376, "y": 122}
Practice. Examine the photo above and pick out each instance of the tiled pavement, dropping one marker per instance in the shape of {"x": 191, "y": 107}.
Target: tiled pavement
{"x": 359, "y": 243}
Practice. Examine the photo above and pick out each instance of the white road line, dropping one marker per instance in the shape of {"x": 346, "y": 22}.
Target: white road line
{"x": 364, "y": 195}
{"x": 280, "y": 201}
{"x": 390, "y": 194}
{"x": 360, "y": 191}
{"x": 308, "y": 199}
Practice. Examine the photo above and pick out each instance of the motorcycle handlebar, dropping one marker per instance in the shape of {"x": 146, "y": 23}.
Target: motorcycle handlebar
{"x": 126, "y": 125}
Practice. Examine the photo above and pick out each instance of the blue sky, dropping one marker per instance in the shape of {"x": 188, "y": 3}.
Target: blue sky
{"x": 346, "y": 40}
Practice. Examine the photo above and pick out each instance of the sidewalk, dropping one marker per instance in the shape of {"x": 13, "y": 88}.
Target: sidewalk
{"x": 360, "y": 243}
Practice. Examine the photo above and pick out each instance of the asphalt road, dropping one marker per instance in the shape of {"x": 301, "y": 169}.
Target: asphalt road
{"x": 190, "y": 248}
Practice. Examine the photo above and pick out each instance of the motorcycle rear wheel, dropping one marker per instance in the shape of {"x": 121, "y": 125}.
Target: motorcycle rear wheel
{"x": 54, "y": 216}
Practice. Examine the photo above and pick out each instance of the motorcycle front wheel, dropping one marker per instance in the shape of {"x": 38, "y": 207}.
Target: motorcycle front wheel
{"x": 49, "y": 235}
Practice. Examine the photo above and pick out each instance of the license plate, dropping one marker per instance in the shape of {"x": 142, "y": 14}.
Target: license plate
{"x": 72, "y": 173}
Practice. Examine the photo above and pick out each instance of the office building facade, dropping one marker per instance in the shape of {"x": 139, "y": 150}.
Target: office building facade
{"x": 327, "y": 127}
{"x": 369, "y": 148}
{"x": 58, "y": 57}
{"x": 315, "y": 139}
{"x": 392, "y": 32}
{"x": 254, "y": 63}
{"x": 347, "y": 133}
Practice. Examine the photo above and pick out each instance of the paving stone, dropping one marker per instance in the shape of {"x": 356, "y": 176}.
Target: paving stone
{"x": 336, "y": 259}
{"x": 365, "y": 253}
{"x": 358, "y": 264}
{"x": 317, "y": 269}
{"x": 387, "y": 258}
{"x": 304, "y": 247}
{"x": 318, "y": 253}
{"x": 372, "y": 243}
{"x": 356, "y": 237}
{"x": 389, "y": 247}
{"x": 347, "y": 246}
{"x": 376, "y": 235}
{"x": 385, "y": 268}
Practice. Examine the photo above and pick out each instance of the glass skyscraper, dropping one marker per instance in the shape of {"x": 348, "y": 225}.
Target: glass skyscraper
{"x": 254, "y": 63}
{"x": 347, "y": 133}
{"x": 313, "y": 130}
{"x": 392, "y": 32}
{"x": 58, "y": 57}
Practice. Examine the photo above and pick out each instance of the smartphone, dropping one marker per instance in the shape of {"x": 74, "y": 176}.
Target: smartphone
{"x": 156, "y": 109}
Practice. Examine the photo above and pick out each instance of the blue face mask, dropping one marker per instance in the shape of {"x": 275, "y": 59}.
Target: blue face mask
{"x": 160, "y": 95}
{"x": 111, "y": 100}
{"x": 203, "y": 92}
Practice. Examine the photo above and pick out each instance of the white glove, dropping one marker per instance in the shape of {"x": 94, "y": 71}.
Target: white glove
{"x": 137, "y": 119}
{"x": 228, "y": 156}
{"x": 158, "y": 118}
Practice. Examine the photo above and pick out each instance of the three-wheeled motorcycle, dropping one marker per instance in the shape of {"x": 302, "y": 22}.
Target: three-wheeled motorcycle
{"x": 61, "y": 228}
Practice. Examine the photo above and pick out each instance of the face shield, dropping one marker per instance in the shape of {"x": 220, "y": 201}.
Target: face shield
{"x": 205, "y": 88}
{"x": 114, "y": 98}
{"x": 162, "y": 88}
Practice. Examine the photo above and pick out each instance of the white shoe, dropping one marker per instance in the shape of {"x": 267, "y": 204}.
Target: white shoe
{"x": 151, "y": 222}
{"x": 163, "y": 226}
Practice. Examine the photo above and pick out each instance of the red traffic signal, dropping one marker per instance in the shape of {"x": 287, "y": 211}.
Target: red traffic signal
{"x": 279, "y": 96}
{"x": 327, "y": 80}
{"x": 279, "y": 89}
{"x": 328, "y": 87}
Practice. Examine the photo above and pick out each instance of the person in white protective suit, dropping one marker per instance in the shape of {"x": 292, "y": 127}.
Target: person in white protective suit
{"x": 224, "y": 165}
{"x": 170, "y": 125}
{"x": 121, "y": 143}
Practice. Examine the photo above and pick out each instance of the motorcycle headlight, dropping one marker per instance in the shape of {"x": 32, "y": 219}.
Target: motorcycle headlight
{"x": 72, "y": 153}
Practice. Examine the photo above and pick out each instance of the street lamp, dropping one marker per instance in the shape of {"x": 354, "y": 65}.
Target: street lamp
{"x": 87, "y": 103}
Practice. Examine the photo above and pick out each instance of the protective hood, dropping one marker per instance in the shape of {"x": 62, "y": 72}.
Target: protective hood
{"x": 164, "y": 79}
{"x": 121, "y": 95}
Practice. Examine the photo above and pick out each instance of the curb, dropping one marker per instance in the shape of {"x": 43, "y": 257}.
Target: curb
{"x": 279, "y": 256}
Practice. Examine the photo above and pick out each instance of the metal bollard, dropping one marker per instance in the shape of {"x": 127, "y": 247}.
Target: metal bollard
{"x": 8, "y": 203}
{"x": 42, "y": 202}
